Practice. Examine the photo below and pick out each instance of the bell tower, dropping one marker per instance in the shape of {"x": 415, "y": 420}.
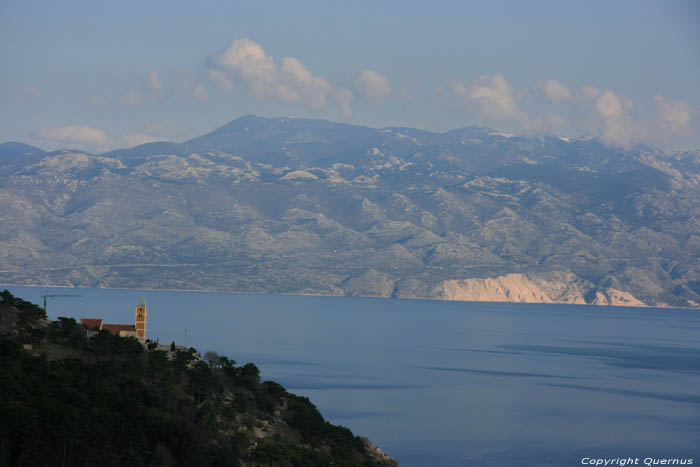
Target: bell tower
{"x": 141, "y": 319}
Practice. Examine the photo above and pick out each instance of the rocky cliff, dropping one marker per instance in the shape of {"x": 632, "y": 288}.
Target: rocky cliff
{"x": 531, "y": 288}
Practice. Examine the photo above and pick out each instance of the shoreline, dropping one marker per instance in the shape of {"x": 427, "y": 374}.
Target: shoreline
{"x": 586, "y": 305}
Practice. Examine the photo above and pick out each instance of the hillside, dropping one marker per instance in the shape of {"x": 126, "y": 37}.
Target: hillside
{"x": 105, "y": 400}
{"x": 290, "y": 205}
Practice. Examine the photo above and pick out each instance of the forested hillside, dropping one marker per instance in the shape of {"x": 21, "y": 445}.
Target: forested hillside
{"x": 70, "y": 400}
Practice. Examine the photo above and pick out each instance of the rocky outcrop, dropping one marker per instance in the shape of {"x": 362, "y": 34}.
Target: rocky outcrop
{"x": 557, "y": 287}
{"x": 377, "y": 455}
{"x": 616, "y": 297}
{"x": 370, "y": 284}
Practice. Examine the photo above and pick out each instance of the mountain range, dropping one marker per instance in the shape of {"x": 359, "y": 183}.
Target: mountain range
{"x": 291, "y": 205}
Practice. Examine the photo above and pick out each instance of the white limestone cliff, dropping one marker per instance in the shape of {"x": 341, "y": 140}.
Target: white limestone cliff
{"x": 558, "y": 287}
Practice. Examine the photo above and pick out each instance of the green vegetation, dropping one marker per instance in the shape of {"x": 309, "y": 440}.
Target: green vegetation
{"x": 73, "y": 400}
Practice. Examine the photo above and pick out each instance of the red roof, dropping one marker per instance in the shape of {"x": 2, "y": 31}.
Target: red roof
{"x": 91, "y": 323}
{"x": 115, "y": 328}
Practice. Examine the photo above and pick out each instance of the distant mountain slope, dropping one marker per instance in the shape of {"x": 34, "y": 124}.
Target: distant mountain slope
{"x": 144, "y": 150}
{"x": 13, "y": 149}
{"x": 14, "y": 155}
{"x": 291, "y": 205}
{"x": 292, "y": 141}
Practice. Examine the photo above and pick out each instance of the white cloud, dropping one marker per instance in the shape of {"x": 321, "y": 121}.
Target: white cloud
{"x": 154, "y": 85}
{"x": 74, "y": 134}
{"x": 495, "y": 95}
{"x": 673, "y": 116}
{"x": 343, "y": 98}
{"x": 300, "y": 82}
{"x": 612, "y": 124}
{"x": 623, "y": 132}
{"x": 246, "y": 64}
{"x": 556, "y": 120}
{"x": 491, "y": 96}
{"x": 298, "y": 71}
{"x": 247, "y": 61}
{"x": 220, "y": 79}
{"x": 554, "y": 90}
{"x": 150, "y": 88}
{"x": 589, "y": 92}
{"x": 601, "y": 113}
{"x": 200, "y": 93}
{"x": 93, "y": 139}
{"x": 373, "y": 86}
{"x": 608, "y": 105}
{"x": 615, "y": 126}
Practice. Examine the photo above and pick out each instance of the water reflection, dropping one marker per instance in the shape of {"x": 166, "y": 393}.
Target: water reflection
{"x": 629, "y": 355}
{"x": 687, "y": 398}
{"x": 491, "y": 372}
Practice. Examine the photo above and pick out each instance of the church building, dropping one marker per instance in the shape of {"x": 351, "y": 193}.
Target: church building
{"x": 137, "y": 330}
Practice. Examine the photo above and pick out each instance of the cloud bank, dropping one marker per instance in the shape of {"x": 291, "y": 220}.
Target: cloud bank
{"x": 87, "y": 138}
{"x": 551, "y": 106}
{"x": 553, "y": 90}
{"x": 673, "y": 116}
{"x": 488, "y": 98}
{"x": 74, "y": 134}
{"x": 373, "y": 86}
{"x": 149, "y": 89}
{"x": 246, "y": 64}
{"x": 544, "y": 107}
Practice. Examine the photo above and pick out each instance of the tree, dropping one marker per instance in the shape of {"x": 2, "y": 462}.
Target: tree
{"x": 213, "y": 358}
{"x": 249, "y": 375}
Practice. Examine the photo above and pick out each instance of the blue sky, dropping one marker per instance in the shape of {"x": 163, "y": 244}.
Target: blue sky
{"x": 99, "y": 76}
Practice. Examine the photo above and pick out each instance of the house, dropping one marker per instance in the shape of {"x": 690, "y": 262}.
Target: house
{"x": 96, "y": 324}
{"x": 137, "y": 330}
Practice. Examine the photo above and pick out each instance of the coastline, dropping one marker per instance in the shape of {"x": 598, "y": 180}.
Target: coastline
{"x": 308, "y": 294}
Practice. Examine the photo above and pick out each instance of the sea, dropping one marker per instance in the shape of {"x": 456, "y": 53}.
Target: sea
{"x": 436, "y": 383}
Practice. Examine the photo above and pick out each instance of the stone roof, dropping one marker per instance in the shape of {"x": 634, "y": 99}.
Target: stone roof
{"x": 91, "y": 323}
{"x": 116, "y": 328}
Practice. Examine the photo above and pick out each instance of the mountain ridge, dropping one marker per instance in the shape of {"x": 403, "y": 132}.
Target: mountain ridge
{"x": 289, "y": 205}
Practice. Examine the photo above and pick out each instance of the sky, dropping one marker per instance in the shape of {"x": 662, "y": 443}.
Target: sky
{"x": 103, "y": 75}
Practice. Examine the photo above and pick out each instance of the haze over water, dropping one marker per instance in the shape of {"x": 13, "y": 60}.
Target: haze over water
{"x": 451, "y": 383}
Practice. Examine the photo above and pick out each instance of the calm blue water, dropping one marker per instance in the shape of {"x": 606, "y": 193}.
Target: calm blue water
{"x": 451, "y": 384}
